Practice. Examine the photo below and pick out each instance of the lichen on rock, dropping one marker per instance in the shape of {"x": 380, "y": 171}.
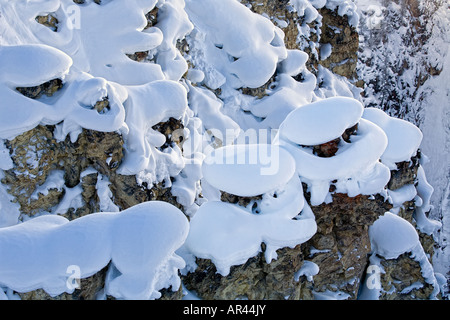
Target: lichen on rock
{"x": 254, "y": 280}
{"x": 341, "y": 245}
{"x": 344, "y": 42}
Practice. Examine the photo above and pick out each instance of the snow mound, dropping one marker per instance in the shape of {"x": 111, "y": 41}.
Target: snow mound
{"x": 32, "y": 65}
{"x": 208, "y": 107}
{"x": 355, "y": 165}
{"x": 141, "y": 243}
{"x": 168, "y": 101}
{"x": 294, "y": 63}
{"x": 400, "y": 196}
{"x": 284, "y": 99}
{"x": 244, "y": 47}
{"x": 321, "y": 121}
{"x": 308, "y": 8}
{"x": 404, "y": 138}
{"x": 391, "y": 236}
{"x": 74, "y": 105}
{"x": 230, "y": 235}
{"x": 248, "y": 170}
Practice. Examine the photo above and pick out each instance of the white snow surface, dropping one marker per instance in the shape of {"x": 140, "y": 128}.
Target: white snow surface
{"x": 423, "y": 203}
{"x": 404, "y": 138}
{"x": 229, "y": 234}
{"x": 356, "y": 165}
{"x": 168, "y": 100}
{"x": 74, "y": 105}
{"x": 403, "y": 194}
{"x": 309, "y": 269}
{"x": 248, "y": 170}
{"x": 140, "y": 241}
{"x": 361, "y": 153}
{"x": 32, "y": 65}
{"x": 321, "y": 121}
{"x": 391, "y": 236}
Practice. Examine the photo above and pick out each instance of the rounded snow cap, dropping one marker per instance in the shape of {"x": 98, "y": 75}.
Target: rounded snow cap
{"x": 248, "y": 170}
{"x": 32, "y": 65}
{"x": 404, "y": 138}
{"x": 392, "y": 236}
{"x": 321, "y": 121}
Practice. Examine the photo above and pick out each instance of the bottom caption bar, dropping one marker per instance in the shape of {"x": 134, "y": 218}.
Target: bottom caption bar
{"x": 228, "y": 309}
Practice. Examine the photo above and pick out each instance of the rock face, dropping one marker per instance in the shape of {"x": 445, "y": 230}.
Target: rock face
{"x": 341, "y": 244}
{"x": 37, "y": 154}
{"x": 256, "y": 279}
{"x": 89, "y": 289}
{"x": 403, "y": 280}
{"x": 279, "y": 11}
{"x": 343, "y": 39}
{"x": 66, "y": 177}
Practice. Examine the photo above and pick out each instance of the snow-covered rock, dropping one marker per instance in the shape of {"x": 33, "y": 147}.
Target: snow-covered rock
{"x": 229, "y": 235}
{"x": 404, "y": 138}
{"x": 141, "y": 243}
{"x": 152, "y": 100}
{"x": 355, "y": 165}
{"x": 392, "y": 236}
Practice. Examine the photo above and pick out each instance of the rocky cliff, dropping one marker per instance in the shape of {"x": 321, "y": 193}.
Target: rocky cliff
{"x": 75, "y": 175}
